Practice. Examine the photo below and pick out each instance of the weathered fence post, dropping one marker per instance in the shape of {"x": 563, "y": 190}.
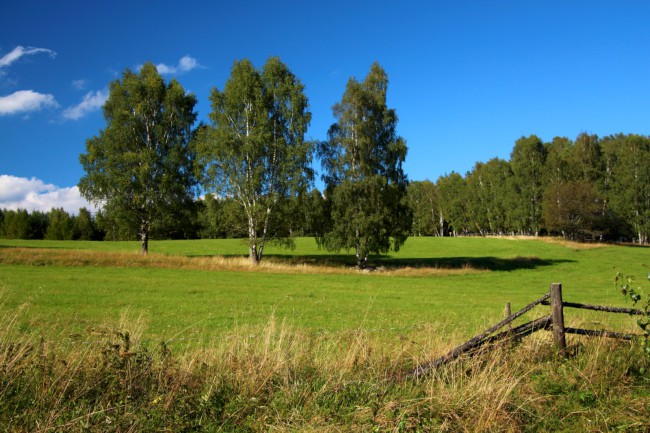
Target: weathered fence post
{"x": 557, "y": 315}
{"x": 508, "y": 314}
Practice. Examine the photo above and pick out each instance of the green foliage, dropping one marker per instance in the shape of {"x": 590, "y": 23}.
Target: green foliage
{"x": 56, "y": 224}
{"x": 221, "y": 218}
{"x": 629, "y": 289}
{"x": 140, "y": 167}
{"x": 16, "y": 224}
{"x": 113, "y": 229}
{"x": 60, "y": 225}
{"x": 312, "y": 211}
{"x": 527, "y": 161}
{"x": 452, "y": 194}
{"x": 557, "y": 166}
{"x": 630, "y": 183}
{"x": 362, "y": 159}
{"x": 84, "y": 227}
{"x": 254, "y": 151}
{"x": 589, "y": 190}
{"x": 488, "y": 185}
{"x": 584, "y": 159}
{"x": 424, "y": 203}
{"x": 574, "y": 210}
{"x": 365, "y": 218}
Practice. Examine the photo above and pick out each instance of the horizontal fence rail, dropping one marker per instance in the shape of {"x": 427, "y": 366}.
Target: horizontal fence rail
{"x": 553, "y": 322}
{"x": 631, "y": 311}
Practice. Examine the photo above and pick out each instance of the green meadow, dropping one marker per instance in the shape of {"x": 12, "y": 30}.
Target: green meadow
{"x": 455, "y": 285}
{"x": 95, "y": 338}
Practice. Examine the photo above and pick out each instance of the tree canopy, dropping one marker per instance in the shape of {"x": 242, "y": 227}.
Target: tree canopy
{"x": 254, "y": 150}
{"x": 362, "y": 159}
{"x": 140, "y": 167}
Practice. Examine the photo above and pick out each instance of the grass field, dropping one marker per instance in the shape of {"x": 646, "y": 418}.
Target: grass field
{"x": 459, "y": 284}
{"x": 305, "y": 342}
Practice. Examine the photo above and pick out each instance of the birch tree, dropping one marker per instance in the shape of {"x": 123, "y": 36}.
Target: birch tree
{"x": 255, "y": 150}
{"x": 631, "y": 189}
{"x": 140, "y": 167}
{"x": 527, "y": 161}
{"x": 423, "y": 200}
{"x": 363, "y": 159}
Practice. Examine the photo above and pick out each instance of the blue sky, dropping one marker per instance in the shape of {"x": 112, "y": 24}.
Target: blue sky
{"x": 467, "y": 78}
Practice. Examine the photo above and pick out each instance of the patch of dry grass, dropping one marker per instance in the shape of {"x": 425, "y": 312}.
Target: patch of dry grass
{"x": 275, "y": 378}
{"x": 572, "y": 244}
{"x": 556, "y": 241}
{"x": 76, "y": 258}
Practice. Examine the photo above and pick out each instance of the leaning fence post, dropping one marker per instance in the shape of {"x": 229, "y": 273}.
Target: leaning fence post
{"x": 557, "y": 314}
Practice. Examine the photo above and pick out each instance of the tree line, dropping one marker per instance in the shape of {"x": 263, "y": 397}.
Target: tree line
{"x": 587, "y": 189}
{"x": 147, "y": 165}
{"x": 253, "y": 165}
{"x": 56, "y": 224}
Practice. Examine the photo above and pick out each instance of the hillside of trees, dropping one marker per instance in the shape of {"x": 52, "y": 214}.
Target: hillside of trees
{"x": 589, "y": 189}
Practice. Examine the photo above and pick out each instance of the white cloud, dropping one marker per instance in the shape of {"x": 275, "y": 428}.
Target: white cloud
{"x": 79, "y": 84}
{"x": 24, "y": 101}
{"x": 185, "y": 64}
{"x": 34, "y": 194}
{"x": 20, "y": 51}
{"x": 91, "y": 101}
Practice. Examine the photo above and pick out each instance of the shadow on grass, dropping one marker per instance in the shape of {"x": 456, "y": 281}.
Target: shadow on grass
{"x": 390, "y": 263}
{"x": 488, "y": 263}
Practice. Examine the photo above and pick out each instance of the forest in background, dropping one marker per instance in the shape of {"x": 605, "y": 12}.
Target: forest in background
{"x": 587, "y": 189}
{"x": 590, "y": 189}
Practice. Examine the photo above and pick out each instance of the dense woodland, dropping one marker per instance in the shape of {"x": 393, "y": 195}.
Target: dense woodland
{"x": 589, "y": 189}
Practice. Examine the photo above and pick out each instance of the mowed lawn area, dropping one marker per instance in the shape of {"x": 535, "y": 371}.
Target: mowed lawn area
{"x": 451, "y": 286}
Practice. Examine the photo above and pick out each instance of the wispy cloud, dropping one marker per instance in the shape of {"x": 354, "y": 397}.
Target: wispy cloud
{"x": 21, "y": 51}
{"x": 91, "y": 101}
{"x": 185, "y": 64}
{"x": 80, "y": 84}
{"x": 24, "y": 101}
{"x": 34, "y": 194}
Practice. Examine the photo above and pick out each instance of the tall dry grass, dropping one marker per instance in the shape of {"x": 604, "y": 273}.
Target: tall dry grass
{"x": 276, "y": 378}
{"x": 76, "y": 258}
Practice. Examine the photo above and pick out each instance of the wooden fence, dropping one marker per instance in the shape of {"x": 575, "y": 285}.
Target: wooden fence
{"x": 553, "y": 321}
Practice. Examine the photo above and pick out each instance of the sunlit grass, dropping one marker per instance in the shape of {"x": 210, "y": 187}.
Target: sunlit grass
{"x": 274, "y": 377}
{"x": 95, "y": 337}
{"x": 274, "y": 264}
{"x": 200, "y": 289}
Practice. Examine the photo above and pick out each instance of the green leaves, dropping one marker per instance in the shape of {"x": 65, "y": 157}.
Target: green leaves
{"x": 362, "y": 160}
{"x": 254, "y": 151}
{"x": 635, "y": 294}
{"x": 140, "y": 166}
